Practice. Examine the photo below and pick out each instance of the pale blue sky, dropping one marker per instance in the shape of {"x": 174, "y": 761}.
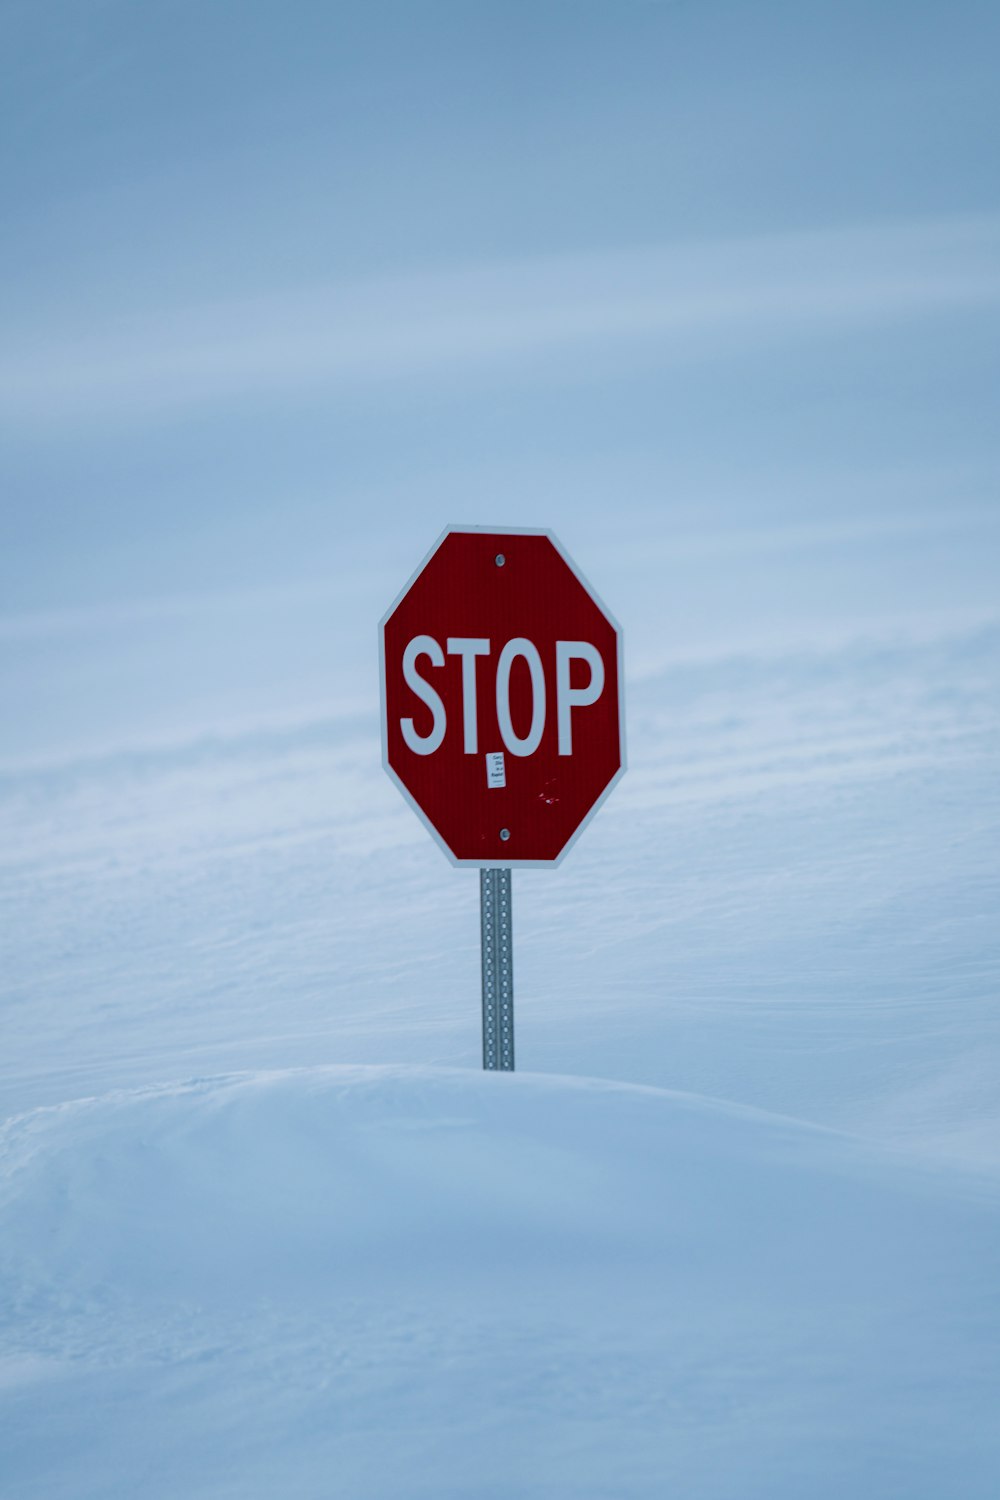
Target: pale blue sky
{"x": 286, "y": 287}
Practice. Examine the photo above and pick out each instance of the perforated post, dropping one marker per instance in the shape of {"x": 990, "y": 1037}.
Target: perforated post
{"x": 498, "y": 970}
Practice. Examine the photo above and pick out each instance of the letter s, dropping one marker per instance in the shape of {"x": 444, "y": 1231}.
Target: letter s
{"x": 423, "y": 744}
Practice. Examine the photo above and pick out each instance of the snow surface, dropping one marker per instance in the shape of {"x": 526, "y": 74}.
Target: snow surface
{"x": 434, "y": 1283}
{"x": 298, "y": 1271}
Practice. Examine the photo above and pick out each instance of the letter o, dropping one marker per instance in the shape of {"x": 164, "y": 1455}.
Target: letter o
{"x": 531, "y": 741}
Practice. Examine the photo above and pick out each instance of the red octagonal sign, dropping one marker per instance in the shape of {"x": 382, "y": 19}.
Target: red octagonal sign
{"x": 502, "y": 718}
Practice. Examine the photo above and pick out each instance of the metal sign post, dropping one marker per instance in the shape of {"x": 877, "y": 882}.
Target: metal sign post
{"x": 503, "y": 721}
{"x": 496, "y": 923}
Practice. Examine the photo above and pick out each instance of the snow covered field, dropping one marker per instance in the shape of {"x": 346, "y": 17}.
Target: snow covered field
{"x": 428, "y": 1282}
{"x": 714, "y": 294}
{"x": 790, "y": 902}
{"x": 357, "y": 1279}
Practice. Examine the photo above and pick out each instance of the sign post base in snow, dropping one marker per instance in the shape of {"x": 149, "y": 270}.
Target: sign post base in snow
{"x": 498, "y": 970}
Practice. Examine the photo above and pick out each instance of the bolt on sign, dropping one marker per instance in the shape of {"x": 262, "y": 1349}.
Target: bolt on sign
{"x": 502, "y": 716}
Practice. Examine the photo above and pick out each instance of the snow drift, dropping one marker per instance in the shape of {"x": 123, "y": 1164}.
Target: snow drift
{"x": 405, "y": 1282}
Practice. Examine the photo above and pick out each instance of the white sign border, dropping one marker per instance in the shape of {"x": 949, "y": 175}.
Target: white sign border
{"x": 503, "y": 864}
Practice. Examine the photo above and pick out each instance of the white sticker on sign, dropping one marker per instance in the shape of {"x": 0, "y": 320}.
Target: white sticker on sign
{"x": 496, "y": 771}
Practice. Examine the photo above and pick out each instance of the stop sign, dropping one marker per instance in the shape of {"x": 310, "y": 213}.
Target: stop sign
{"x": 502, "y": 720}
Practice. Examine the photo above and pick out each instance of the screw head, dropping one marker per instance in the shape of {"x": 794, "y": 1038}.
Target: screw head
{"x": 505, "y": 834}
{"x": 499, "y": 559}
